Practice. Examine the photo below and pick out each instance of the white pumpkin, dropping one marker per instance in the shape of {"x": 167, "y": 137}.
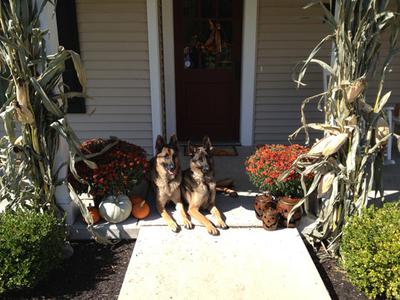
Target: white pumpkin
{"x": 115, "y": 209}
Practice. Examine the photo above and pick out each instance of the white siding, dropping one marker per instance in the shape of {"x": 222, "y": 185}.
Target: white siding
{"x": 286, "y": 35}
{"x": 114, "y": 49}
{"x": 392, "y": 78}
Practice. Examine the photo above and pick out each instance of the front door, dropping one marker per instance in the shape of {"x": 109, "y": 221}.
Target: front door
{"x": 208, "y": 41}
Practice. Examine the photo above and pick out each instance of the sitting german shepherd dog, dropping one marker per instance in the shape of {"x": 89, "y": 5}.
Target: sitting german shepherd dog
{"x": 166, "y": 177}
{"x": 199, "y": 185}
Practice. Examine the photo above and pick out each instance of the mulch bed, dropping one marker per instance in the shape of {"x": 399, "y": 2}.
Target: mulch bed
{"x": 97, "y": 271}
{"x": 94, "y": 272}
{"x": 335, "y": 279}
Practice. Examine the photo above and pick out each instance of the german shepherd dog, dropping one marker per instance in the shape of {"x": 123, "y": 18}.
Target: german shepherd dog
{"x": 199, "y": 185}
{"x": 166, "y": 177}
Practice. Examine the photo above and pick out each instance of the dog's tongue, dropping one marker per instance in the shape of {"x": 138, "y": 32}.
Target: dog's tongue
{"x": 171, "y": 172}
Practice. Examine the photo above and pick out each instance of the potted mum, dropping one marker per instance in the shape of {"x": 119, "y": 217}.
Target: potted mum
{"x": 264, "y": 168}
{"x": 121, "y": 167}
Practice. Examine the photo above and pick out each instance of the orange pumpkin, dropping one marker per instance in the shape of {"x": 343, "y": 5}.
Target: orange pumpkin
{"x": 136, "y": 199}
{"x": 140, "y": 210}
{"x": 94, "y": 212}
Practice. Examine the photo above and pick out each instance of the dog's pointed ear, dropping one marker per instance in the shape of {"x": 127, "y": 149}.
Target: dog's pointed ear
{"x": 190, "y": 149}
{"x": 160, "y": 143}
{"x": 173, "y": 143}
{"x": 207, "y": 144}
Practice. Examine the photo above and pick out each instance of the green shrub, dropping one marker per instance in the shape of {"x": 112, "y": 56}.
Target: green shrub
{"x": 370, "y": 251}
{"x": 31, "y": 245}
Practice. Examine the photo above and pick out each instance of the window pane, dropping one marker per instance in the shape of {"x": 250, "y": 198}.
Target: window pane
{"x": 208, "y": 8}
{"x": 207, "y": 34}
{"x": 190, "y": 8}
{"x": 225, "y": 8}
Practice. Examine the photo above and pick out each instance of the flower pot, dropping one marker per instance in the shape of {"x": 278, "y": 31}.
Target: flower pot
{"x": 261, "y": 203}
{"x": 270, "y": 219}
{"x": 285, "y": 206}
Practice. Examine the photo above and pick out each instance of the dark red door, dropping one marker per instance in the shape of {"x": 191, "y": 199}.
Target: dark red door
{"x": 208, "y": 42}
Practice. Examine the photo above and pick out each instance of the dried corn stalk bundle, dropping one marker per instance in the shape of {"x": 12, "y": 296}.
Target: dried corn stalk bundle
{"x": 347, "y": 161}
{"x": 36, "y": 105}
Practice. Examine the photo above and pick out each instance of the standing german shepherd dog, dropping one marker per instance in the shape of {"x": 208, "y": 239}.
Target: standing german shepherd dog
{"x": 199, "y": 185}
{"x": 166, "y": 177}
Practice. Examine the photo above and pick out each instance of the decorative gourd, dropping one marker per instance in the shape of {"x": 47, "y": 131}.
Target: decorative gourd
{"x": 136, "y": 199}
{"x": 94, "y": 212}
{"x": 140, "y": 210}
{"x": 115, "y": 209}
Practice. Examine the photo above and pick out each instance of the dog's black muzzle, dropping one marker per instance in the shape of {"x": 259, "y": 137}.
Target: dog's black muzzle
{"x": 205, "y": 169}
{"x": 170, "y": 169}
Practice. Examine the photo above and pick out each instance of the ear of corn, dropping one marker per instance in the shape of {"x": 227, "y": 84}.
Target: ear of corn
{"x": 334, "y": 144}
{"x": 22, "y": 93}
{"x": 23, "y": 114}
{"x": 325, "y": 184}
{"x": 382, "y": 129}
{"x": 354, "y": 90}
{"x": 328, "y": 145}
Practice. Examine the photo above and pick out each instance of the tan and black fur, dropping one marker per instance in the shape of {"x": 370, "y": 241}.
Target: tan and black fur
{"x": 166, "y": 177}
{"x": 199, "y": 186}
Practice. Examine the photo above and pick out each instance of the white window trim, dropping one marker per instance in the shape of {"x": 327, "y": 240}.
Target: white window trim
{"x": 249, "y": 45}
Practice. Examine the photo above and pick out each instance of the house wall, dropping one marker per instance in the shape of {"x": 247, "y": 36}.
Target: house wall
{"x": 392, "y": 77}
{"x": 286, "y": 34}
{"x": 114, "y": 48}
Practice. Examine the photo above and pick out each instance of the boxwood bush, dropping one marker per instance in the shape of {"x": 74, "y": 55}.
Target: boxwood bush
{"x": 370, "y": 251}
{"x": 31, "y": 244}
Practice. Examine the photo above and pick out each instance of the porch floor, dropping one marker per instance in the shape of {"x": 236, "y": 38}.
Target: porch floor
{"x": 238, "y": 211}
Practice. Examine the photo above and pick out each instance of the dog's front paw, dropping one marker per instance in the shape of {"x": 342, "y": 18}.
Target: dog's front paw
{"x": 212, "y": 230}
{"x": 222, "y": 225}
{"x": 187, "y": 224}
{"x": 173, "y": 226}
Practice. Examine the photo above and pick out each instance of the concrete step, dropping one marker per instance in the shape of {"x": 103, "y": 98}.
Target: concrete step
{"x": 241, "y": 263}
{"x": 238, "y": 212}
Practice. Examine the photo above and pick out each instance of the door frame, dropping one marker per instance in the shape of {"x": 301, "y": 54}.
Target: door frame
{"x": 249, "y": 46}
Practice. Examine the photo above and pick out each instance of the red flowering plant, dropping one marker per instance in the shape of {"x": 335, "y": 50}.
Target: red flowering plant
{"x": 121, "y": 166}
{"x": 269, "y": 162}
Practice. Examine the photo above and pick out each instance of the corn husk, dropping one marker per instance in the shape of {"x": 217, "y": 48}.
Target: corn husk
{"x": 23, "y": 114}
{"x": 22, "y": 94}
{"x": 382, "y": 129}
{"x": 354, "y": 90}
{"x": 351, "y": 120}
{"x": 319, "y": 145}
{"x": 335, "y": 144}
{"x": 19, "y": 141}
{"x": 22, "y": 105}
{"x": 325, "y": 184}
{"x": 328, "y": 145}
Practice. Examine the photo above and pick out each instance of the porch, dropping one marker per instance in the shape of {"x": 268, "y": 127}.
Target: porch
{"x": 239, "y": 211}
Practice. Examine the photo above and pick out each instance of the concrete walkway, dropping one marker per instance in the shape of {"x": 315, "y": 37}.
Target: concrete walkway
{"x": 244, "y": 262}
{"x": 241, "y": 263}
